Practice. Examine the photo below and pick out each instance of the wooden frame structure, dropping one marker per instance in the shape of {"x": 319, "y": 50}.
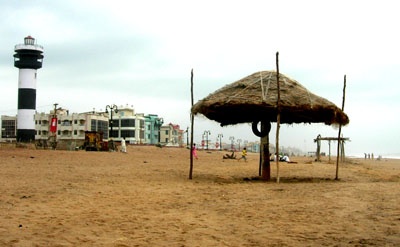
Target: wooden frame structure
{"x": 329, "y": 139}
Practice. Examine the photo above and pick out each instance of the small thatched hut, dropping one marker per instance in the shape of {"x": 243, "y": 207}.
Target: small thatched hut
{"x": 254, "y": 98}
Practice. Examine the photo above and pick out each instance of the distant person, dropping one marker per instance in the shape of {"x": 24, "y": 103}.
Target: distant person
{"x": 285, "y": 158}
{"x": 194, "y": 151}
{"x": 111, "y": 146}
{"x": 229, "y": 156}
{"x": 244, "y": 154}
{"x": 279, "y": 157}
{"x": 270, "y": 157}
{"x": 123, "y": 145}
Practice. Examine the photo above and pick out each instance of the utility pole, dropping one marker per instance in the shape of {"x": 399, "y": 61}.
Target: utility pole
{"x": 53, "y": 127}
{"x": 232, "y": 138}
{"x": 220, "y": 143}
{"x": 239, "y": 141}
{"x": 206, "y": 134}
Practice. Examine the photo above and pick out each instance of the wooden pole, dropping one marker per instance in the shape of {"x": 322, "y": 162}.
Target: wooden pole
{"x": 191, "y": 128}
{"x": 343, "y": 155}
{"x": 340, "y": 130}
{"x": 318, "y": 154}
{"x": 260, "y": 159}
{"x": 329, "y": 143}
{"x": 278, "y": 117}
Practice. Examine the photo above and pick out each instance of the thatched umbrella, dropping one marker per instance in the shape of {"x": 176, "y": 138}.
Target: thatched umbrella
{"x": 254, "y": 99}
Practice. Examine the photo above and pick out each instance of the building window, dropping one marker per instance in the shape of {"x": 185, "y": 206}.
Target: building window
{"x": 114, "y": 133}
{"x": 75, "y": 132}
{"x": 141, "y": 133}
{"x": 127, "y": 133}
{"x": 8, "y": 128}
{"x": 166, "y": 132}
{"x": 93, "y": 124}
{"x": 100, "y": 126}
{"x": 127, "y": 122}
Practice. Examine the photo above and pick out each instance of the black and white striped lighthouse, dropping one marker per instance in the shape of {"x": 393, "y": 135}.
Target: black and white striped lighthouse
{"x": 28, "y": 58}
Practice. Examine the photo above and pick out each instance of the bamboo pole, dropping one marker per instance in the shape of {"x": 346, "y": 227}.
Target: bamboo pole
{"x": 260, "y": 159}
{"x": 278, "y": 117}
{"x": 191, "y": 128}
{"x": 329, "y": 143}
{"x": 340, "y": 130}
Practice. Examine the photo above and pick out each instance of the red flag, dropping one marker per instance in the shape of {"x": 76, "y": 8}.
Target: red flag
{"x": 53, "y": 126}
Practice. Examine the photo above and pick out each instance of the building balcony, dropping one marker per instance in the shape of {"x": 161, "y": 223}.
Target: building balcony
{"x": 79, "y": 127}
{"x": 42, "y": 128}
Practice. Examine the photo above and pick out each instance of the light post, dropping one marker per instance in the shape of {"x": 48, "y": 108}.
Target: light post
{"x": 53, "y": 127}
{"x": 239, "y": 141}
{"x": 232, "y": 138}
{"x": 206, "y": 134}
{"x": 220, "y": 143}
{"x": 158, "y": 123}
{"x": 113, "y": 108}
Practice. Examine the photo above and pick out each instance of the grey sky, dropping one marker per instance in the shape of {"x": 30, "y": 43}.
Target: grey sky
{"x": 140, "y": 53}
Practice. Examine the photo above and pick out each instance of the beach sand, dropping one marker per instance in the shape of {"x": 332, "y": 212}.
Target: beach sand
{"x": 144, "y": 198}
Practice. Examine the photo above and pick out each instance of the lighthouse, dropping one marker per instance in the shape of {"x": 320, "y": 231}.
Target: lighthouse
{"x": 28, "y": 59}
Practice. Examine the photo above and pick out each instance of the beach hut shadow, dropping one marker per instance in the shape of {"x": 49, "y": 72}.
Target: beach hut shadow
{"x": 293, "y": 180}
{"x": 226, "y": 179}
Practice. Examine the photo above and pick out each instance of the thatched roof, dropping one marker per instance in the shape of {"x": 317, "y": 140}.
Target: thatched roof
{"x": 254, "y": 98}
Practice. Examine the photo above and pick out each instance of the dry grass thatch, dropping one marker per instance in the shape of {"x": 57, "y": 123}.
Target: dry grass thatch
{"x": 254, "y": 98}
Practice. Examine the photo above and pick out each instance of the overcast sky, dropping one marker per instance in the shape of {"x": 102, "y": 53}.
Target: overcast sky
{"x": 141, "y": 53}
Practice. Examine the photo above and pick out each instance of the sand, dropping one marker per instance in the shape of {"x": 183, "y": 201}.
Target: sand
{"x": 144, "y": 198}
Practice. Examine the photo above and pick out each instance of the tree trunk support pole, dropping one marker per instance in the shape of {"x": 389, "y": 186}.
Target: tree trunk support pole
{"x": 265, "y": 163}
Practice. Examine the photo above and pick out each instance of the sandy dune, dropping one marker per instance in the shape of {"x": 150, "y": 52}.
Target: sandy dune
{"x": 144, "y": 198}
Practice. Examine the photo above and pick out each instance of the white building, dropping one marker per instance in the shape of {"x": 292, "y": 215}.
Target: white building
{"x": 70, "y": 131}
{"x": 171, "y": 135}
{"x": 126, "y": 124}
{"x": 121, "y": 122}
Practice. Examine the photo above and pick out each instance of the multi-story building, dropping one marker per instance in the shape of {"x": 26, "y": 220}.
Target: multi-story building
{"x": 70, "y": 128}
{"x": 8, "y": 128}
{"x": 152, "y": 131}
{"x": 128, "y": 125}
{"x": 171, "y": 135}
